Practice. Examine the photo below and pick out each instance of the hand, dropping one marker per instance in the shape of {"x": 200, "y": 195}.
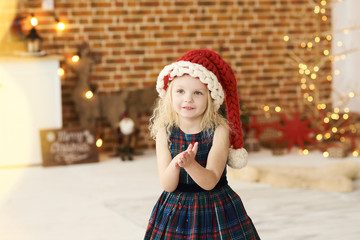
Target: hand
{"x": 187, "y": 158}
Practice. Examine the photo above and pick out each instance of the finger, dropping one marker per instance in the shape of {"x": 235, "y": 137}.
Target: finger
{"x": 195, "y": 148}
{"x": 189, "y": 147}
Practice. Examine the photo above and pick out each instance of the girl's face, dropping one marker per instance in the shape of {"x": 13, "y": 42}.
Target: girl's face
{"x": 189, "y": 97}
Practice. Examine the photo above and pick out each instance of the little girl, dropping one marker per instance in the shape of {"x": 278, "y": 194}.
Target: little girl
{"x": 193, "y": 145}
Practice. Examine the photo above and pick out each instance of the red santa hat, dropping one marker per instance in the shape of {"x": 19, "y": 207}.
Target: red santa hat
{"x": 219, "y": 78}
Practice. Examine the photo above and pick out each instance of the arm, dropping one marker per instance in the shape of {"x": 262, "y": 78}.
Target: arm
{"x": 208, "y": 177}
{"x": 168, "y": 168}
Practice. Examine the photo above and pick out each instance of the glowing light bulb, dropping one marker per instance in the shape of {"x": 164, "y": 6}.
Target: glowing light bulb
{"x": 305, "y": 152}
{"x": 351, "y": 94}
{"x": 286, "y": 38}
{"x": 328, "y": 37}
{"x": 75, "y": 58}
{"x": 89, "y": 94}
{"x": 278, "y": 109}
{"x": 99, "y": 142}
{"x": 34, "y": 22}
{"x": 326, "y": 52}
{"x": 317, "y": 39}
{"x": 266, "y": 108}
{"x": 355, "y": 153}
{"x": 61, "y": 72}
{"x": 324, "y": 18}
{"x": 61, "y": 26}
{"x": 316, "y": 68}
{"x": 326, "y": 154}
{"x": 319, "y": 137}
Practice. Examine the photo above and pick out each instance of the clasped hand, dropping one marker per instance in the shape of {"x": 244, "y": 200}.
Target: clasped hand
{"x": 187, "y": 158}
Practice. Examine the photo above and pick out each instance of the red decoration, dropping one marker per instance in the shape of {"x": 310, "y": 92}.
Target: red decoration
{"x": 295, "y": 131}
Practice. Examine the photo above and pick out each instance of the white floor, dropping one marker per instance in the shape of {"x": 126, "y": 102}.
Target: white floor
{"x": 113, "y": 200}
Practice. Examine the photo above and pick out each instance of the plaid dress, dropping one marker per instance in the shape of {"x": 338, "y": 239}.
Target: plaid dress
{"x": 193, "y": 213}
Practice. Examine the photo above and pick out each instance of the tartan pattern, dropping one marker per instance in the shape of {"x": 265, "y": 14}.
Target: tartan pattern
{"x": 215, "y": 214}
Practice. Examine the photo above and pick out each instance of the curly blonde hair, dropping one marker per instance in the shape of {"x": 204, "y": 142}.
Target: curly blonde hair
{"x": 165, "y": 116}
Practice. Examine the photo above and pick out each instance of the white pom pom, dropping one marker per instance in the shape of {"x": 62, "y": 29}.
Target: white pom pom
{"x": 237, "y": 158}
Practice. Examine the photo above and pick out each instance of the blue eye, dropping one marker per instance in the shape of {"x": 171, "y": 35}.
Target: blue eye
{"x": 198, "y": 93}
{"x": 180, "y": 91}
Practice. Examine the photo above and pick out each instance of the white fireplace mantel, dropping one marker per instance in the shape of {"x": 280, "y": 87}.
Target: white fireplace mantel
{"x": 30, "y": 100}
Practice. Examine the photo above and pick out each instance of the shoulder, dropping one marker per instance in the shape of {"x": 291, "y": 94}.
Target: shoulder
{"x": 222, "y": 130}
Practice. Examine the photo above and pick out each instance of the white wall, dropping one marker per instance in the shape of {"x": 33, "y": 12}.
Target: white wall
{"x": 346, "y": 15}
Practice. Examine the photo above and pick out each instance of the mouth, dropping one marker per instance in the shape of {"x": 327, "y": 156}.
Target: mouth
{"x": 188, "y": 108}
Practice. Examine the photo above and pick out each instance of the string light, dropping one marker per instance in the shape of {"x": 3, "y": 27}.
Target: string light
{"x": 266, "y": 108}
{"x": 286, "y": 38}
{"x": 99, "y": 142}
{"x": 326, "y": 52}
{"x": 59, "y": 24}
{"x": 319, "y": 137}
{"x": 355, "y": 153}
{"x": 89, "y": 94}
{"x": 75, "y": 58}
{"x": 277, "y": 109}
{"x": 326, "y": 154}
{"x": 351, "y": 94}
{"x": 34, "y": 22}
{"x": 61, "y": 72}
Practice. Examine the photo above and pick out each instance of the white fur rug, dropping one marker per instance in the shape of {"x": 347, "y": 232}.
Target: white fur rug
{"x": 336, "y": 177}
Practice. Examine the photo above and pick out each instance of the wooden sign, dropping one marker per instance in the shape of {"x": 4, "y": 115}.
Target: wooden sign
{"x": 68, "y": 146}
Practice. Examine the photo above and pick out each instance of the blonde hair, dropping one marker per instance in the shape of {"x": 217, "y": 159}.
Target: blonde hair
{"x": 165, "y": 116}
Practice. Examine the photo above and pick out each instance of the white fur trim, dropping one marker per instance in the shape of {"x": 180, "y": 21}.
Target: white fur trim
{"x": 178, "y": 69}
{"x": 237, "y": 158}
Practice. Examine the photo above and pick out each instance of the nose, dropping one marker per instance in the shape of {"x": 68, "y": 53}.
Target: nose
{"x": 188, "y": 98}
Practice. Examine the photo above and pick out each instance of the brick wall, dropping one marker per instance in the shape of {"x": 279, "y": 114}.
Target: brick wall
{"x": 137, "y": 38}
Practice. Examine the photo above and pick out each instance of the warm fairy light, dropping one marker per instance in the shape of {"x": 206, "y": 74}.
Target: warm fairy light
{"x": 327, "y": 135}
{"x": 34, "y": 22}
{"x": 310, "y": 99}
{"x": 307, "y": 72}
{"x": 303, "y": 80}
{"x": 335, "y": 116}
{"x": 312, "y": 87}
{"x": 351, "y": 94}
{"x": 319, "y": 107}
{"x": 334, "y": 130}
{"x": 266, "y": 108}
{"x": 303, "y": 45}
{"x": 339, "y": 43}
{"x": 316, "y": 9}
{"x": 329, "y": 77}
{"x": 336, "y": 110}
{"x": 317, "y": 39}
{"x": 301, "y": 71}
{"x": 328, "y": 37}
{"x": 337, "y": 72}
{"x": 342, "y": 131}
{"x": 326, "y": 52}
{"x": 326, "y": 120}
{"x": 343, "y": 56}
{"x": 309, "y": 44}
{"x": 355, "y": 153}
{"x": 278, "y": 109}
{"x": 313, "y": 76}
{"x": 324, "y": 18}
{"x": 326, "y": 154}
{"x": 89, "y": 94}
{"x": 319, "y": 137}
{"x": 316, "y": 68}
{"x": 61, "y": 72}
{"x": 305, "y": 152}
{"x": 306, "y": 95}
{"x": 286, "y": 38}
{"x": 75, "y": 58}
{"x": 303, "y": 86}
{"x": 345, "y": 116}
{"x": 342, "y": 139}
{"x": 323, "y": 3}
{"x": 323, "y": 10}
{"x": 99, "y": 142}
{"x": 60, "y": 26}
{"x": 323, "y": 106}
{"x": 347, "y": 110}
